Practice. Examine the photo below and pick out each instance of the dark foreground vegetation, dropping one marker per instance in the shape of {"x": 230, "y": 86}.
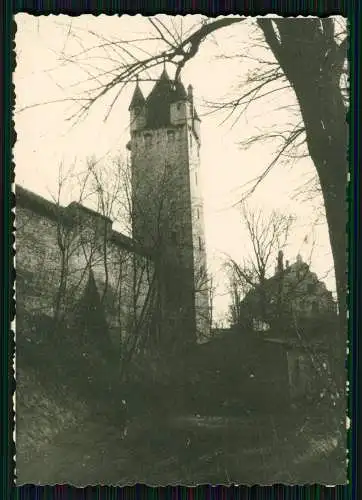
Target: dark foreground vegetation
{"x": 215, "y": 415}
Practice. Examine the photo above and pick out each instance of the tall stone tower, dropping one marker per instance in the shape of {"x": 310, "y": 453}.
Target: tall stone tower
{"x": 167, "y": 203}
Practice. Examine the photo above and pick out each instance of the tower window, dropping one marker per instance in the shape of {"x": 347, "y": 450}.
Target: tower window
{"x": 196, "y": 178}
{"x": 191, "y": 140}
{"x": 148, "y": 139}
{"x": 198, "y": 213}
{"x": 170, "y": 135}
{"x": 200, "y": 243}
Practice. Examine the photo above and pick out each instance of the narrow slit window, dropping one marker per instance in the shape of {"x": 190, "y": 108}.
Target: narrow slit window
{"x": 196, "y": 178}
{"x": 198, "y": 213}
{"x": 200, "y": 243}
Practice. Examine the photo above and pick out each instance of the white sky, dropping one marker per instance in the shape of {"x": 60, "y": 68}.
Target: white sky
{"x": 45, "y": 137}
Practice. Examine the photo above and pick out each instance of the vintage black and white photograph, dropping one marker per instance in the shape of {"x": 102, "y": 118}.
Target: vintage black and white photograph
{"x": 181, "y": 250}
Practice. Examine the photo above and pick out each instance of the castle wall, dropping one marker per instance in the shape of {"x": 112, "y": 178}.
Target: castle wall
{"x": 51, "y": 281}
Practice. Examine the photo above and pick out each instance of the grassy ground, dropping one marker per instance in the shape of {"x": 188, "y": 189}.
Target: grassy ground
{"x": 187, "y": 450}
{"x": 61, "y": 440}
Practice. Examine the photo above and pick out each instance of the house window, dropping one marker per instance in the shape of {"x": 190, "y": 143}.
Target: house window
{"x": 148, "y": 139}
{"x": 170, "y": 135}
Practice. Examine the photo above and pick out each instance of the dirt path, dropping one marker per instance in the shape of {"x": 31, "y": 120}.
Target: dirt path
{"x": 162, "y": 453}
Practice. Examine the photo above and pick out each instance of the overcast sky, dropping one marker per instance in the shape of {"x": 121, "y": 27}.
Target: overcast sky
{"x": 45, "y": 136}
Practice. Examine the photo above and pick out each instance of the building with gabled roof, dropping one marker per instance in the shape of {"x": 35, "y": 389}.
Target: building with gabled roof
{"x": 293, "y": 296}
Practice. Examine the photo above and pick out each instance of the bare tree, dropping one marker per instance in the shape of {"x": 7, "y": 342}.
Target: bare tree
{"x": 68, "y": 241}
{"x": 311, "y": 57}
{"x": 212, "y": 291}
{"x": 268, "y": 234}
{"x": 237, "y": 293}
{"x": 150, "y": 208}
{"x": 277, "y": 293}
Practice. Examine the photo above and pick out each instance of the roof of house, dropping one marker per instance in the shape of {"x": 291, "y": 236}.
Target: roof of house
{"x": 272, "y": 283}
{"x": 297, "y": 344}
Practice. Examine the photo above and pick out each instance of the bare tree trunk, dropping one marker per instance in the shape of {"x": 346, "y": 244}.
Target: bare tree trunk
{"x": 313, "y": 62}
{"x": 64, "y": 265}
{"x": 105, "y": 263}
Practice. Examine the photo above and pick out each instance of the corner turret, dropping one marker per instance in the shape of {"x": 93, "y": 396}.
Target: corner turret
{"x": 137, "y": 109}
{"x": 180, "y": 110}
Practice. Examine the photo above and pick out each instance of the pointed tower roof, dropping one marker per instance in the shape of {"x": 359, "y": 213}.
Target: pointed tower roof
{"x": 164, "y": 93}
{"x": 90, "y": 318}
{"x": 180, "y": 93}
{"x": 161, "y": 90}
{"x": 137, "y": 98}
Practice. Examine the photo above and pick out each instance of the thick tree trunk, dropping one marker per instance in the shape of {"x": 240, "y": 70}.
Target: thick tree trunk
{"x": 324, "y": 117}
{"x": 312, "y": 62}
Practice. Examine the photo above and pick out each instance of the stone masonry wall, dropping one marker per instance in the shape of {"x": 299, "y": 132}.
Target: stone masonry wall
{"x": 163, "y": 218}
{"x": 50, "y": 281}
{"x": 169, "y": 211}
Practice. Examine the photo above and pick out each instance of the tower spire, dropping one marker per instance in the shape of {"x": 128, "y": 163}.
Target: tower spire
{"x": 138, "y": 99}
